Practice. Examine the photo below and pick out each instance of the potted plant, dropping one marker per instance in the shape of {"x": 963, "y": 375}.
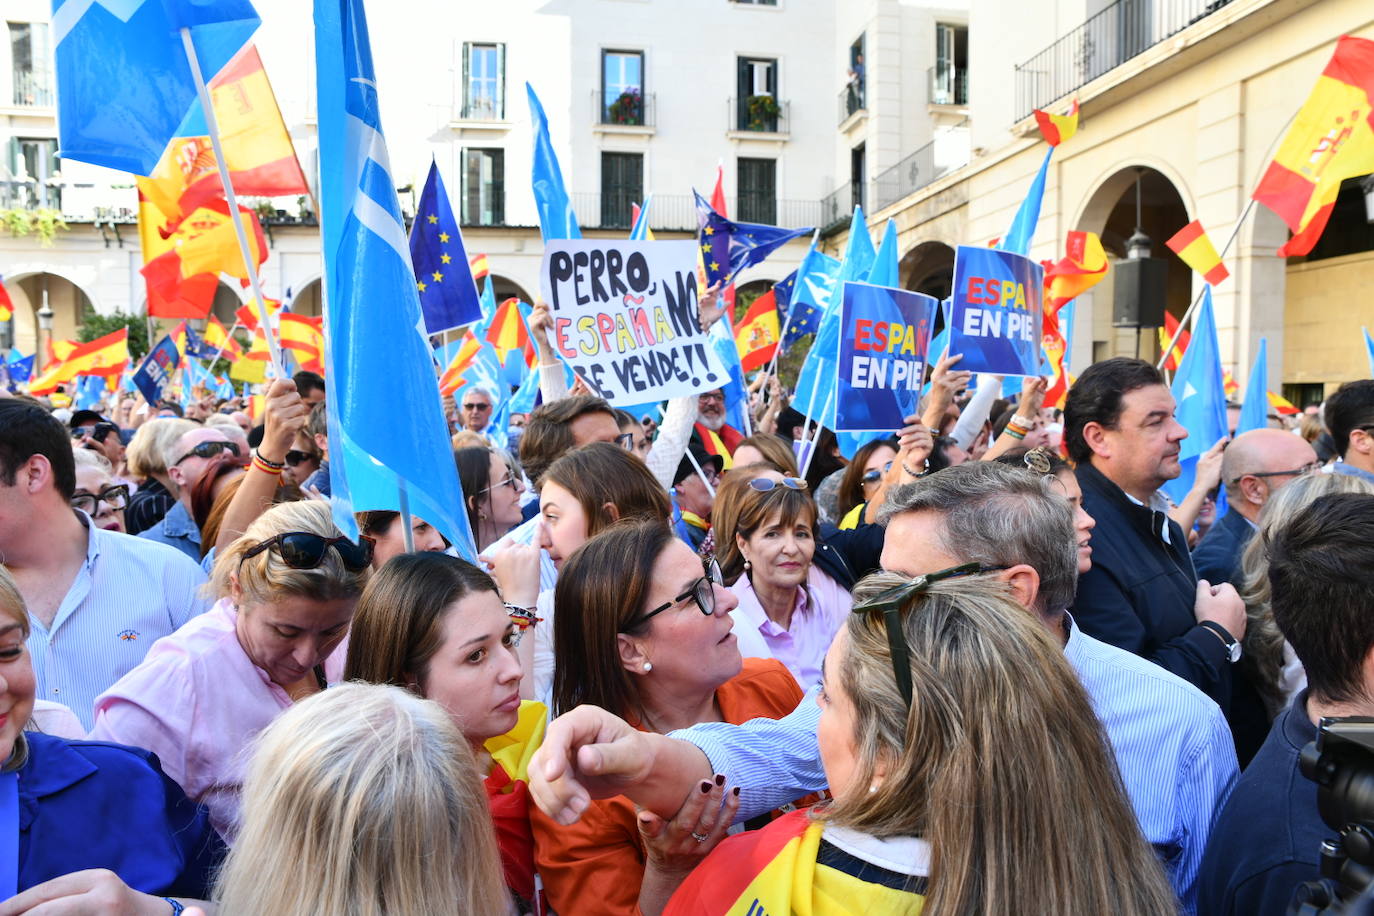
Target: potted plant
{"x": 628, "y": 108}
{"x": 763, "y": 112}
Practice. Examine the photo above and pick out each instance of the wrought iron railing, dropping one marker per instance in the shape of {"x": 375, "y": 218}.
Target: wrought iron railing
{"x": 759, "y": 113}
{"x": 630, "y": 108}
{"x": 947, "y": 152}
{"x": 948, "y": 85}
{"x": 852, "y": 100}
{"x": 33, "y": 90}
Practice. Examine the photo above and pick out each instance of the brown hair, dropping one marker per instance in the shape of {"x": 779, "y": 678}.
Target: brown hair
{"x": 603, "y": 586}
{"x": 997, "y": 761}
{"x": 203, "y": 492}
{"x": 398, "y": 623}
{"x": 548, "y": 432}
{"x": 742, "y": 510}
{"x": 775, "y": 451}
{"x": 600, "y": 473}
{"x": 851, "y": 491}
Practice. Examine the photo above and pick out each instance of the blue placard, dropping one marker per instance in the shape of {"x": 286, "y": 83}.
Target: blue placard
{"x": 156, "y": 371}
{"x": 996, "y": 317}
{"x": 884, "y": 336}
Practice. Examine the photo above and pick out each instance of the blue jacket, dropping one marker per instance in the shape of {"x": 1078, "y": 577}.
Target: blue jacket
{"x": 1140, "y": 592}
{"x": 88, "y": 804}
{"x": 1217, "y": 555}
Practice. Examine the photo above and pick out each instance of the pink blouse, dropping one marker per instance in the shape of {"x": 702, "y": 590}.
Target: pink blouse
{"x": 198, "y": 701}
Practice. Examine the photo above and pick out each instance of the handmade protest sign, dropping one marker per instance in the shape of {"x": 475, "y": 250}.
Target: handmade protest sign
{"x": 884, "y": 337}
{"x": 625, "y": 318}
{"x": 153, "y": 376}
{"x": 996, "y": 319}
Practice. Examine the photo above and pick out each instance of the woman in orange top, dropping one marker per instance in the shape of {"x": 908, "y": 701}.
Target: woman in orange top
{"x": 643, "y": 631}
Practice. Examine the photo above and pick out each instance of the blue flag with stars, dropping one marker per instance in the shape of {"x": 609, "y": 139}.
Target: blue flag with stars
{"x": 389, "y": 442}
{"x": 443, "y": 277}
{"x": 727, "y": 247}
{"x": 810, "y": 295}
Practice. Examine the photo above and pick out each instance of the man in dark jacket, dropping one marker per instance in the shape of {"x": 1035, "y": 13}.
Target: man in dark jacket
{"x": 1142, "y": 593}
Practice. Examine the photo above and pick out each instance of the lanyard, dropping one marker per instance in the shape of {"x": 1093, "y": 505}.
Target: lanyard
{"x": 9, "y": 834}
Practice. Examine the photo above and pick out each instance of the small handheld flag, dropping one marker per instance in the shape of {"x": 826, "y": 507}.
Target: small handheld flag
{"x": 728, "y": 247}
{"x": 1197, "y": 251}
{"x": 1057, "y": 128}
{"x": 443, "y": 275}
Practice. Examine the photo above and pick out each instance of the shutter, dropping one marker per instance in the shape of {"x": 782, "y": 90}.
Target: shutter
{"x": 745, "y": 89}
{"x": 464, "y": 90}
{"x": 501, "y": 82}
{"x": 498, "y": 187}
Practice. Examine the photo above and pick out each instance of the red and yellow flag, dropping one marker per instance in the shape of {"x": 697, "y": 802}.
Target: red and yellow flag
{"x": 182, "y": 270}
{"x": 107, "y": 356}
{"x": 480, "y": 266}
{"x": 6, "y": 304}
{"x": 1057, "y": 128}
{"x": 247, "y": 315}
{"x": 305, "y": 337}
{"x": 452, "y": 378}
{"x": 1282, "y": 406}
{"x": 507, "y": 330}
{"x": 1331, "y": 140}
{"x": 218, "y": 337}
{"x": 253, "y": 366}
{"x": 1197, "y": 251}
{"x": 1083, "y": 266}
{"x": 1166, "y": 334}
{"x": 758, "y": 332}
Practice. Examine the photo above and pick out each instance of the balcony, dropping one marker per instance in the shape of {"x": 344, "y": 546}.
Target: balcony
{"x": 481, "y": 108}
{"x": 947, "y": 152}
{"x": 1107, "y": 40}
{"x": 33, "y": 90}
{"x": 948, "y": 85}
{"x": 678, "y": 212}
{"x": 757, "y": 114}
{"x": 837, "y": 208}
{"x": 631, "y": 108}
{"x": 852, "y": 101}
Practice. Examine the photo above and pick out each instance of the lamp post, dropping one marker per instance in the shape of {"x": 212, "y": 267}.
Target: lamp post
{"x": 44, "y": 324}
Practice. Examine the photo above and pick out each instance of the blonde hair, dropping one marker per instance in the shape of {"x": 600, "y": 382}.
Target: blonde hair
{"x": 222, "y": 420}
{"x": 1000, "y": 763}
{"x": 1263, "y": 643}
{"x": 363, "y": 800}
{"x": 265, "y": 578}
{"x": 12, "y": 602}
{"x": 89, "y": 458}
{"x": 145, "y": 455}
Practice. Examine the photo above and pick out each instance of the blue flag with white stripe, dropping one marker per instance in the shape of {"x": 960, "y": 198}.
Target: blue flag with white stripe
{"x": 387, "y": 432}
{"x": 1200, "y": 395}
{"x": 556, "y": 217}
{"x": 124, "y": 84}
{"x": 1254, "y": 410}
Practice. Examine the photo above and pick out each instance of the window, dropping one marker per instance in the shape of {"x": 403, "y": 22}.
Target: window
{"x": 484, "y": 188}
{"x": 758, "y": 190}
{"x": 856, "y": 90}
{"x": 949, "y": 77}
{"x": 622, "y": 186}
{"x": 857, "y": 174}
{"x": 32, "y": 162}
{"x": 32, "y": 57}
{"x": 756, "y": 2}
{"x": 484, "y": 81}
{"x": 622, "y": 87}
{"x": 757, "y": 105}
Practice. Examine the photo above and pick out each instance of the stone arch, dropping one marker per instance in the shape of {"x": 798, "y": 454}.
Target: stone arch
{"x": 308, "y": 300}
{"x": 67, "y": 299}
{"x": 503, "y": 288}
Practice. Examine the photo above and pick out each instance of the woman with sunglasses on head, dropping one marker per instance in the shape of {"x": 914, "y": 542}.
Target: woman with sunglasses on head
{"x": 644, "y": 631}
{"x": 286, "y": 592}
{"x": 491, "y": 488}
{"x": 97, "y": 494}
{"x": 863, "y": 480}
{"x": 945, "y": 714}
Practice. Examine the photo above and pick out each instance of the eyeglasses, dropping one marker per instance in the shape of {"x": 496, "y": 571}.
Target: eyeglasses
{"x": 116, "y": 497}
{"x": 891, "y": 602}
{"x": 296, "y": 456}
{"x": 873, "y": 475}
{"x": 626, "y": 441}
{"x": 508, "y": 481}
{"x": 702, "y": 591}
{"x": 477, "y": 407}
{"x": 306, "y": 550}
{"x": 98, "y": 433}
{"x": 209, "y": 450}
{"x": 1303, "y": 471}
{"x": 768, "y": 484}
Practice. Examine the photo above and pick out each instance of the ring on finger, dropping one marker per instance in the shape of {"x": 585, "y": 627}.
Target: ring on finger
{"x": 699, "y": 838}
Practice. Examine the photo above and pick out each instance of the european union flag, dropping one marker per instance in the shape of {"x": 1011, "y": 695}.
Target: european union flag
{"x": 448, "y": 294}
{"x": 388, "y": 438}
{"x": 123, "y": 81}
{"x": 1200, "y": 393}
{"x": 19, "y": 370}
{"x": 810, "y": 295}
{"x": 727, "y": 247}
{"x": 197, "y": 347}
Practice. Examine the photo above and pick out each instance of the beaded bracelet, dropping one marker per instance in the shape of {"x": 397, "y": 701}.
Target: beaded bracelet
{"x": 522, "y": 617}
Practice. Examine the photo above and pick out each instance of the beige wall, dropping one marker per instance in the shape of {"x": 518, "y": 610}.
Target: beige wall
{"x": 1328, "y": 302}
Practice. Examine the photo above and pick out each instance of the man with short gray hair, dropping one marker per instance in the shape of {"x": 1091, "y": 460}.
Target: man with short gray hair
{"x": 188, "y": 458}
{"x": 476, "y": 409}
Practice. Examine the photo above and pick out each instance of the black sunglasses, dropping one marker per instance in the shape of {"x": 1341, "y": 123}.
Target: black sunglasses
{"x": 306, "y": 550}
{"x": 702, "y": 591}
{"x": 296, "y": 456}
{"x": 209, "y": 450}
{"x": 894, "y": 599}
{"x": 768, "y": 484}
{"x": 98, "y": 433}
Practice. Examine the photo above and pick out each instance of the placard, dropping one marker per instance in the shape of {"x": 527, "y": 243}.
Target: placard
{"x": 156, "y": 370}
{"x": 996, "y": 318}
{"x": 625, "y": 318}
{"x": 884, "y": 339}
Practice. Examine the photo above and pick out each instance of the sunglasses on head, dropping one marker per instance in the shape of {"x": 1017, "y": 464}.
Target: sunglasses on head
{"x": 98, "y": 433}
{"x": 890, "y": 604}
{"x": 209, "y": 450}
{"x": 296, "y": 456}
{"x": 768, "y": 484}
{"x": 306, "y": 550}
{"x": 702, "y": 591}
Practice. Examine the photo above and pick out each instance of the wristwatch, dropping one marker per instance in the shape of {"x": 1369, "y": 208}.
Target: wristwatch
{"x": 1232, "y": 644}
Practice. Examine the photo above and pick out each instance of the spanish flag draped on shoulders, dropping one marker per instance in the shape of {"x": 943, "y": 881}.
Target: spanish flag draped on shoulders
{"x": 508, "y": 796}
{"x": 797, "y": 865}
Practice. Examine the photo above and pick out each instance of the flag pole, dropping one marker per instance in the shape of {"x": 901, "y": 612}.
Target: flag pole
{"x": 228, "y": 336}
{"x": 700, "y": 473}
{"x": 407, "y": 534}
{"x": 212, "y": 123}
{"x": 811, "y": 452}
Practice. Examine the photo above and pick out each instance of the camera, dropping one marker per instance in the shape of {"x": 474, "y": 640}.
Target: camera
{"x": 1341, "y": 763}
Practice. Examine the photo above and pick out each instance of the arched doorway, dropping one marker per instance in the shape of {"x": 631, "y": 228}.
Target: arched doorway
{"x": 225, "y": 304}
{"x": 503, "y": 288}
{"x": 308, "y": 300}
{"x": 929, "y": 268}
{"x": 29, "y": 293}
{"x": 1111, "y": 212}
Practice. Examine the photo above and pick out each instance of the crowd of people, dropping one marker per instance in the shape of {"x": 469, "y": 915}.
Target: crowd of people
{"x": 982, "y": 665}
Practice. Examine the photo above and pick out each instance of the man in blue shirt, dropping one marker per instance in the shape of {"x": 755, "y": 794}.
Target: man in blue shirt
{"x": 1349, "y": 417}
{"x": 1268, "y": 836}
{"x": 188, "y": 458}
{"x": 1172, "y": 744}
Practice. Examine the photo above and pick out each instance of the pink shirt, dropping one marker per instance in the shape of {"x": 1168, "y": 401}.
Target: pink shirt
{"x": 198, "y": 701}
{"x": 820, "y": 610}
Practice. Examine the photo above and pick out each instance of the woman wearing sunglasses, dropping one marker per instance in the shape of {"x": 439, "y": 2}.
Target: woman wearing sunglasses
{"x": 862, "y": 483}
{"x": 945, "y": 712}
{"x": 97, "y": 494}
{"x": 491, "y": 488}
{"x": 643, "y": 630}
{"x": 793, "y": 591}
{"x": 286, "y": 592}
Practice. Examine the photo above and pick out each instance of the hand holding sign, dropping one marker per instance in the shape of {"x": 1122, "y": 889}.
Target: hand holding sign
{"x": 996, "y": 318}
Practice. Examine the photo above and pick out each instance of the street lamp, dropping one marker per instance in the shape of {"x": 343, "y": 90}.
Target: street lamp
{"x": 45, "y": 315}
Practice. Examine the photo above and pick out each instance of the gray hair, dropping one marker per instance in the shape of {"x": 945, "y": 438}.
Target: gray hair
{"x": 999, "y": 516}
{"x": 480, "y": 389}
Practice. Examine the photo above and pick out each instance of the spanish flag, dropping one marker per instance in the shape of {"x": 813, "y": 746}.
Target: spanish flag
{"x": 247, "y": 315}
{"x": 1083, "y": 266}
{"x": 1331, "y": 140}
{"x": 452, "y": 378}
{"x": 1197, "y": 251}
{"x": 182, "y": 268}
{"x": 303, "y": 336}
{"x": 1057, "y": 128}
{"x": 1166, "y": 334}
{"x": 480, "y": 266}
{"x": 1282, "y": 406}
{"x": 507, "y": 330}
{"x": 253, "y": 366}
{"x": 217, "y": 337}
{"x": 758, "y": 332}
{"x": 6, "y": 304}
{"x": 105, "y": 356}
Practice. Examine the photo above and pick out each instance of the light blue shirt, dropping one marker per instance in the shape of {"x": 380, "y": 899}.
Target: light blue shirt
{"x": 176, "y": 529}
{"x": 129, "y": 593}
{"x": 1340, "y": 467}
{"x": 1172, "y": 745}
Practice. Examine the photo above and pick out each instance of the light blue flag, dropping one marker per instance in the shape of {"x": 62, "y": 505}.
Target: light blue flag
{"x": 523, "y": 399}
{"x": 736, "y": 390}
{"x": 89, "y": 391}
{"x": 811, "y": 294}
{"x": 884, "y": 270}
{"x": 1254, "y": 411}
{"x": 387, "y": 431}
{"x": 124, "y": 84}
{"x": 1022, "y": 231}
{"x": 1369, "y": 350}
{"x": 1200, "y": 396}
{"x": 556, "y": 217}
{"x": 639, "y": 232}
